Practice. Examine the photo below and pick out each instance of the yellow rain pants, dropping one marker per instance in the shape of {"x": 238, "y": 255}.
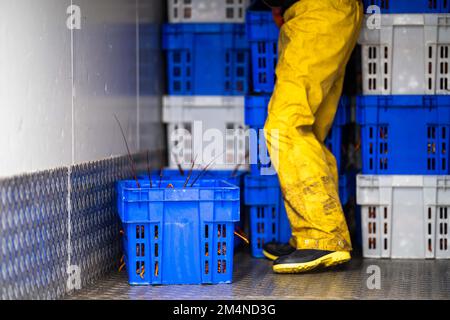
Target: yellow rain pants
{"x": 315, "y": 45}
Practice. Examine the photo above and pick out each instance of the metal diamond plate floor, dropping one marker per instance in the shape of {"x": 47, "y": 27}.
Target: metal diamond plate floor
{"x": 253, "y": 279}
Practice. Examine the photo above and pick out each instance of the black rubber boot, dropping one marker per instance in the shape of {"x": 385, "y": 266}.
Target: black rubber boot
{"x": 308, "y": 259}
{"x": 274, "y": 250}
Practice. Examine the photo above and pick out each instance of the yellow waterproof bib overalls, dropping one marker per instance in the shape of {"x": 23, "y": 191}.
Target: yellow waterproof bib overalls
{"x": 315, "y": 45}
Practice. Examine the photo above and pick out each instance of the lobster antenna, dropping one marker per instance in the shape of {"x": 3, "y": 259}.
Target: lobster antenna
{"x": 205, "y": 169}
{"x": 149, "y": 172}
{"x": 130, "y": 158}
{"x": 190, "y": 172}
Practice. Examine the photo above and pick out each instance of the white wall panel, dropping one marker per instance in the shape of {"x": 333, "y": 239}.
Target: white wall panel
{"x": 105, "y": 73}
{"x": 151, "y": 15}
{"x": 35, "y": 86}
{"x": 41, "y": 126}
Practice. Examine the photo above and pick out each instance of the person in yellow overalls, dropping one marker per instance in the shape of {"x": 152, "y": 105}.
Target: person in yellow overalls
{"x": 316, "y": 40}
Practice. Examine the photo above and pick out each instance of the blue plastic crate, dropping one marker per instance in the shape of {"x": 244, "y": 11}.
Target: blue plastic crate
{"x": 409, "y": 6}
{"x": 347, "y": 187}
{"x": 256, "y": 108}
{"x": 206, "y": 58}
{"x": 268, "y": 218}
{"x": 404, "y": 134}
{"x": 234, "y": 178}
{"x": 178, "y": 235}
{"x": 262, "y": 34}
{"x": 334, "y": 141}
{"x": 255, "y": 116}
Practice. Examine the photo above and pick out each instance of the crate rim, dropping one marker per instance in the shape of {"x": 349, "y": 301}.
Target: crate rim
{"x": 409, "y": 19}
{"x": 403, "y": 101}
{"x": 206, "y": 176}
{"x": 225, "y": 185}
{"x": 203, "y": 101}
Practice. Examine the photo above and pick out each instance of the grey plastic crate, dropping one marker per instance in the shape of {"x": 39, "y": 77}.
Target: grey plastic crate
{"x": 406, "y": 54}
{"x": 197, "y": 124}
{"x": 218, "y": 11}
{"x": 405, "y": 216}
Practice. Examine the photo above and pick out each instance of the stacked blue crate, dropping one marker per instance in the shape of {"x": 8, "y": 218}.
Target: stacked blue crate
{"x": 262, "y": 34}
{"x": 268, "y": 220}
{"x": 255, "y": 117}
{"x": 265, "y": 206}
{"x": 263, "y": 198}
{"x": 404, "y": 134}
{"x": 206, "y": 58}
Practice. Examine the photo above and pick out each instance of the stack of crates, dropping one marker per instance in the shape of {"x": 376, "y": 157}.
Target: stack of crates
{"x": 178, "y": 224}
{"x": 207, "y": 70}
{"x": 207, "y": 64}
{"x": 404, "y": 114}
{"x": 268, "y": 220}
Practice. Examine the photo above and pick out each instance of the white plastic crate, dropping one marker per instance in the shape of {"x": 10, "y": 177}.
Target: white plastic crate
{"x": 405, "y": 216}
{"x": 408, "y": 54}
{"x": 219, "y": 11}
{"x": 202, "y": 119}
